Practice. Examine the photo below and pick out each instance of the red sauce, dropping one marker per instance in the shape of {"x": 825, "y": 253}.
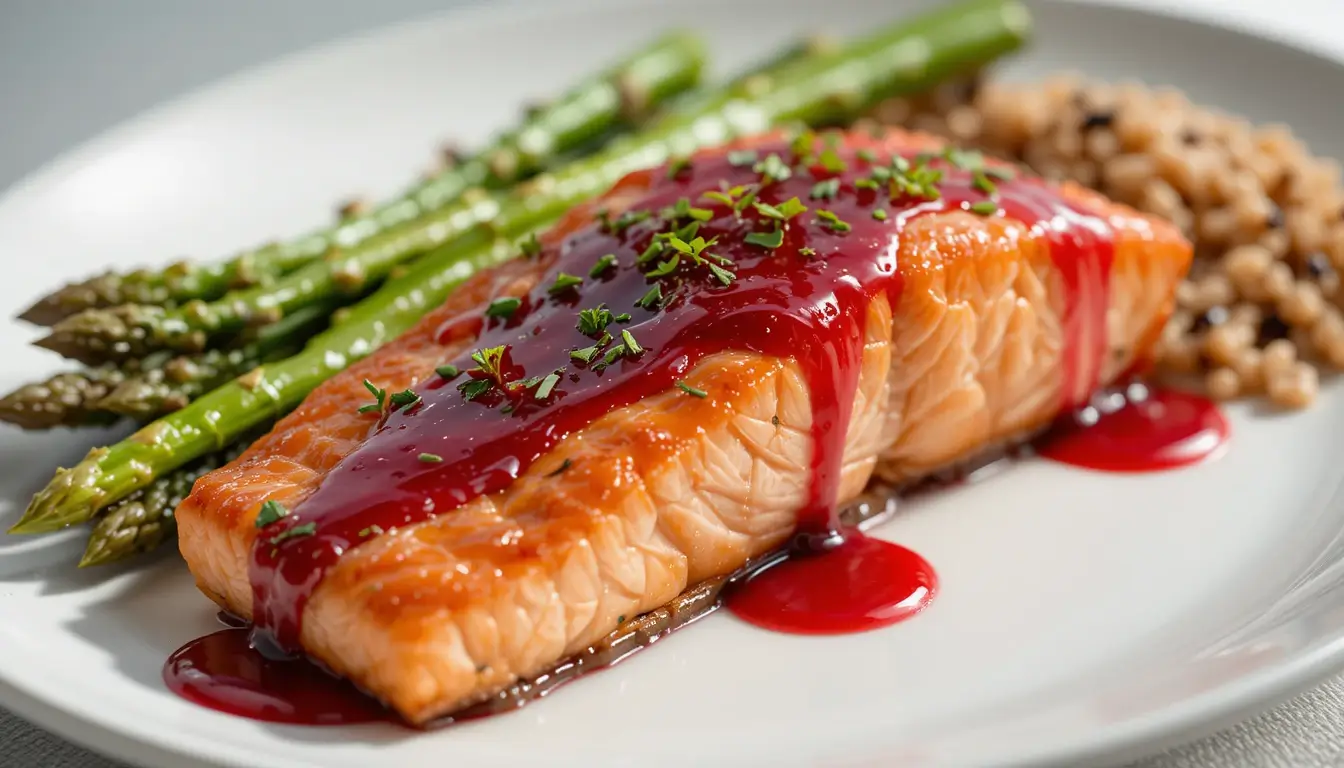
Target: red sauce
{"x": 222, "y": 671}
{"x": 861, "y": 584}
{"x": 782, "y": 302}
{"x": 1138, "y": 429}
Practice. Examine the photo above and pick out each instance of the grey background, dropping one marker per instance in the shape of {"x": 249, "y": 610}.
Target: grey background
{"x": 70, "y": 69}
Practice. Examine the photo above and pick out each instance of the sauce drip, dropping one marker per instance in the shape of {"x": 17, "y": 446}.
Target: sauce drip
{"x": 804, "y": 298}
{"x": 861, "y": 584}
{"x": 221, "y": 671}
{"x": 1137, "y": 429}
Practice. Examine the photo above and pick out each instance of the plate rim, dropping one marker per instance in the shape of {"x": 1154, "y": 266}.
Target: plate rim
{"x": 1181, "y": 721}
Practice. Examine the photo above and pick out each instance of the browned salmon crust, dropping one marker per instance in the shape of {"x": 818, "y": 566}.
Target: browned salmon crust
{"x": 672, "y": 490}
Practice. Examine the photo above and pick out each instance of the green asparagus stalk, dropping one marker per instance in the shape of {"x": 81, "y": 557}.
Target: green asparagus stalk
{"x": 620, "y": 97}
{"x": 181, "y": 380}
{"x": 69, "y": 399}
{"x": 906, "y": 57}
{"x": 141, "y": 522}
{"x": 822, "y": 91}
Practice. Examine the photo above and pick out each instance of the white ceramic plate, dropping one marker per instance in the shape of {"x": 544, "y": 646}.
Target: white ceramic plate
{"x": 1082, "y": 616}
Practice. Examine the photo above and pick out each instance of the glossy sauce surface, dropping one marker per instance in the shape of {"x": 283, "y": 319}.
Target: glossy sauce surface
{"x": 804, "y": 299}
{"x": 1137, "y": 429}
{"x": 222, "y": 672}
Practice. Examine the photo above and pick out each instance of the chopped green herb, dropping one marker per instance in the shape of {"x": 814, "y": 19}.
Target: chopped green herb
{"x": 430, "y": 458}
{"x": 631, "y": 345}
{"x": 531, "y": 247}
{"x": 503, "y": 307}
{"x": 307, "y": 529}
{"x": 653, "y": 299}
{"x": 867, "y": 184}
{"x": 832, "y": 221}
{"x": 587, "y": 354}
{"x": 613, "y": 354}
{"x": 807, "y": 252}
{"x": 832, "y": 162}
{"x": 721, "y": 274}
{"x": 677, "y": 166}
{"x": 802, "y": 145}
{"x": 683, "y": 209}
{"x": 1001, "y": 174}
{"x": 981, "y": 182}
{"x": 688, "y": 389}
{"x": 772, "y": 239}
{"x": 654, "y": 250}
{"x": 782, "y": 212}
{"x": 546, "y": 386}
{"x": 985, "y": 208}
{"x": 879, "y": 214}
{"x": 594, "y": 321}
{"x": 743, "y": 157}
{"x": 490, "y": 359}
{"x": 719, "y": 197}
{"x": 563, "y": 282}
{"x": 773, "y": 168}
{"x": 624, "y": 317}
{"x": 403, "y": 399}
{"x": 825, "y": 190}
{"x": 620, "y": 619}
{"x": 378, "y": 394}
{"x": 627, "y": 220}
{"x": 603, "y": 264}
{"x": 448, "y": 372}
{"x": 371, "y": 530}
{"x": 566, "y": 464}
{"x": 270, "y": 512}
{"x": 474, "y": 388}
{"x": 666, "y": 267}
{"x": 866, "y": 155}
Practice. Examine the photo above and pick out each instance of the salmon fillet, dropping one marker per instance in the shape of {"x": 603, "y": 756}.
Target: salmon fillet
{"x": 654, "y": 496}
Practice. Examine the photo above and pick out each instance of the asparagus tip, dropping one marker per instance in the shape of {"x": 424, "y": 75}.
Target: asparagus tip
{"x": 104, "y": 335}
{"x": 72, "y": 497}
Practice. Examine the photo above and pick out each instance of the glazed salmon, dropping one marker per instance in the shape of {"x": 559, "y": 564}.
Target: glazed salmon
{"x": 888, "y": 330}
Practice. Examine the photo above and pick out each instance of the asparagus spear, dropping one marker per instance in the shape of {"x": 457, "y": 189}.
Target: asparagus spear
{"x": 175, "y": 384}
{"x": 821, "y": 91}
{"x": 142, "y": 521}
{"x": 905, "y": 57}
{"x": 67, "y": 399}
{"x": 621, "y": 96}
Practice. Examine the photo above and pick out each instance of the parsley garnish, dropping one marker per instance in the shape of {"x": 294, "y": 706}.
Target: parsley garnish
{"x": 719, "y": 197}
{"x": 688, "y": 389}
{"x": 772, "y": 169}
{"x": 489, "y": 361}
{"x": 866, "y": 156}
{"x": 832, "y": 162}
{"x": 587, "y": 354}
{"x": 403, "y": 399}
{"x": 372, "y": 529}
{"x": 430, "y": 458}
{"x": 631, "y": 345}
{"x": 985, "y": 208}
{"x": 448, "y": 372}
{"x": 683, "y": 209}
{"x": 563, "y": 282}
{"x": 628, "y": 219}
{"x": 474, "y": 388}
{"x": 594, "y": 321}
{"x": 832, "y": 221}
{"x": 772, "y": 239}
{"x": 825, "y": 190}
{"x": 653, "y": 300}
{"x": 503, "y": 307}
{"x": 531, "y": 247}
{"x": 807, "y": 252}
{"x": 603, "y": 264}
{"x": 380, "y": 395}
{"x": 879, "y": 214}
{"x": 547, "y": 385}
{"x": 624, "y": 317}
{"x": 782, "y": 212}
{"x": 307, "y": 529}
{"x": 270, "y": 512}
{"x": 981, "y": 182}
